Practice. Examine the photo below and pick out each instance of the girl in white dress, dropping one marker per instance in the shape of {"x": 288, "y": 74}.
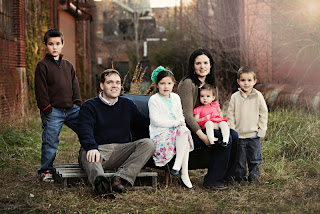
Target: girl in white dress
{"x": 168, "y": 128}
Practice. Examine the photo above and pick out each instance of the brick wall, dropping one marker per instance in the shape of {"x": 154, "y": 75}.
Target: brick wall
{"x": 12, "y": 64}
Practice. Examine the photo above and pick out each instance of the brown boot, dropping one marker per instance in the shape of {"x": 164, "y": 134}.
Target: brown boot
{"x": 116, "y": 184}
{"x": 102, "y": 187}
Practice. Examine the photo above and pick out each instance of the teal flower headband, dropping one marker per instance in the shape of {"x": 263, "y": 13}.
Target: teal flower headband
{"x": 157, "y": 71}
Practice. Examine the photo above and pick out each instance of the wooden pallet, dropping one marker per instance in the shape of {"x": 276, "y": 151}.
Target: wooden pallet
{"x": 62, "y": 172}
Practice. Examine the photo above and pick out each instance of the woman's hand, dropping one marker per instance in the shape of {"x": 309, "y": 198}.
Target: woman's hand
{"x": 198, "y": 119}
{"x": 203, "y": 137}
{"x": 220, "y": 112}
{"x": 207, "y": 117}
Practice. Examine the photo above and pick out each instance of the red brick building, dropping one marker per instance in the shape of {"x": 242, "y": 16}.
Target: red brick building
{"x": 13, "y": 58}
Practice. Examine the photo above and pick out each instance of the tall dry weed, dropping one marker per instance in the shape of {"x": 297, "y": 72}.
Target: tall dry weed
{"x": 136, "y": 84}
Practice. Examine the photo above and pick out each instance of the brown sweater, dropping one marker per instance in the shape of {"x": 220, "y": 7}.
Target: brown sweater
{"x": 188, "y": 93}
{"x": 56, "y": 85}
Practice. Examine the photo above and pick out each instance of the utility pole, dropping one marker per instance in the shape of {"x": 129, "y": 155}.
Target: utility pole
{"x": 136, "y": 33}
{"x": 180, "y": 15}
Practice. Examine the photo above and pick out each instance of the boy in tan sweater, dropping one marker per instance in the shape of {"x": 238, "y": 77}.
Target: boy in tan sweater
{"x": 248, "y": 115}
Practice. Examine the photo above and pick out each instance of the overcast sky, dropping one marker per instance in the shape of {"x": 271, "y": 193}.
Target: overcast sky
{"x": 166, "y": 3}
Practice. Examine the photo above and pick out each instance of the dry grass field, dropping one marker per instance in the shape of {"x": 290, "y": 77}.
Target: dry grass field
{"x": 289, "y": 182}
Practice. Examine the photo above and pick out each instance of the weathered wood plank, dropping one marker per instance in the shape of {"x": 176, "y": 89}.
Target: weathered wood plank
{"x": 62, "y": 172}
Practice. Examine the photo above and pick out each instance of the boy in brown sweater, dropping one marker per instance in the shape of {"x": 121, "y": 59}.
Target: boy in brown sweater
{"x": 248, "y": 115}
{"x": 58, "y": 98}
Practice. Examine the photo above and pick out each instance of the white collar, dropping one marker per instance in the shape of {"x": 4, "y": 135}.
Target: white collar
{"x": 106, "y": 101}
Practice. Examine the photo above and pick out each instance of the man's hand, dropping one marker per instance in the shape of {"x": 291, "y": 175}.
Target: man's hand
{"x": 93, "y": 155}
{"x": 207, "y": 117}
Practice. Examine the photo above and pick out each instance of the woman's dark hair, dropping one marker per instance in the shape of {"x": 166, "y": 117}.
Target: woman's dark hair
{"x": 210, "y": 78}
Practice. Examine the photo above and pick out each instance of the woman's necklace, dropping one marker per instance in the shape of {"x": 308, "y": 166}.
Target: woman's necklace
{"x": 202, "y": 83}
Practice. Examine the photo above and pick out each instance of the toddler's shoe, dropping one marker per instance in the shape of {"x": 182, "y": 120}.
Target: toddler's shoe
{"x": 224, "y": 144}
{"x": 220, "y": 143}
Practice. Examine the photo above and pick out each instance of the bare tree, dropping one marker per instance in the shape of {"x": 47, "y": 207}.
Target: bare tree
{"x": 216, "y": 25}
{"x": 278, "y": 38}
{"x": 296, "y": 41}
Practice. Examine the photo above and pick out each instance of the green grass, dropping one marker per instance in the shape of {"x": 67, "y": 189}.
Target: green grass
{"x": 289, "y": 181}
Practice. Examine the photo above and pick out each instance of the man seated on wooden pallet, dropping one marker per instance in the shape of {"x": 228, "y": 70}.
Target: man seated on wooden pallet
{"x": 105, "y": 123}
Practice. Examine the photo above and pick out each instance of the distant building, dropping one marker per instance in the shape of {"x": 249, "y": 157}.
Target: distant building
{"x": 121, "y": 27}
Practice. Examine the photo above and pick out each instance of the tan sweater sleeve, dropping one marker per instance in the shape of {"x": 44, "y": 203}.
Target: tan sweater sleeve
{"x": 263, "y": 117}
{"x": 187, "y": 93}
{"x": 231, "y": 113}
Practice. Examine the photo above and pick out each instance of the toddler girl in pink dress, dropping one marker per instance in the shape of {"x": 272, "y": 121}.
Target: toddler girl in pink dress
{"x": 209, "y": 116}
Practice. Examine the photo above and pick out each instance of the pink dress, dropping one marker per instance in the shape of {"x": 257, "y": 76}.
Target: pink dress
{"x": 212, "y": 110}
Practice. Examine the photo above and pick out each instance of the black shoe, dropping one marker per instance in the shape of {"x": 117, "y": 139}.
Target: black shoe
{"x": 116, "y": 184}
{"x": 174, "y": 172}
{"x": 102, "y": 187}
{"x": 254, "y": 179}
{"x": 216, "y": 188}
{"x": 229, "y": 183}
{"x": 218, "y": 142}
{"x": 243, "y": 183}
{"x": 180, "y": 181}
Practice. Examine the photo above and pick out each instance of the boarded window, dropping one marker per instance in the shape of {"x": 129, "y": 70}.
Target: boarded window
{"x": 6, "y": 17}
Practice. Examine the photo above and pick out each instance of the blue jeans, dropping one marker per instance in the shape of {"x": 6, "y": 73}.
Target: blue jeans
{"x": 51, "y": 125}
{"x": 249, "y": 150}
{"x": 222, "y": 162}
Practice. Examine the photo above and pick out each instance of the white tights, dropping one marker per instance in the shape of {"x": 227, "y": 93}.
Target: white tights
{"x": 210, "y": 126}
{"x": 182, "y": 158}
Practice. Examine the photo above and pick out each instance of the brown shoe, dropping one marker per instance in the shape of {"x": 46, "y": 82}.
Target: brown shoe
{"x": 116, "y": 184}
{"x": 221, "y": 187}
